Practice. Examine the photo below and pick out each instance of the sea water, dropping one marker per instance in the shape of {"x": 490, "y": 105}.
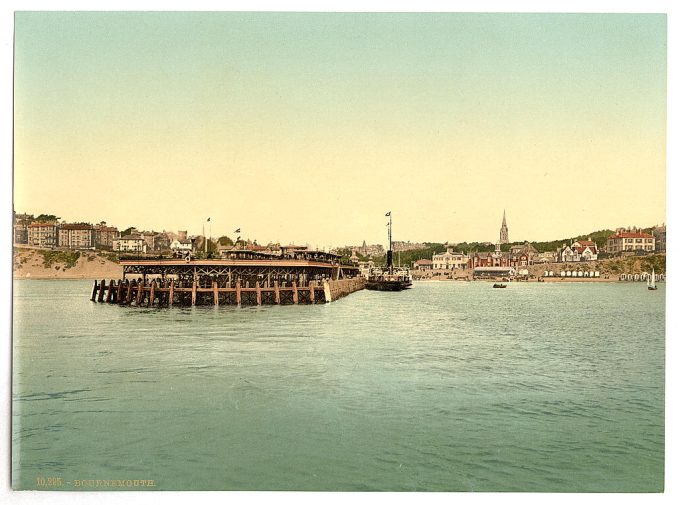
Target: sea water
{"x": 449, "y": 386}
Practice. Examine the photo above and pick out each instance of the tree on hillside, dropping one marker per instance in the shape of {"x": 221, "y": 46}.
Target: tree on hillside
{"x": 224, "y": 240}
{"x": 468, "y": 247}
{"x": 408, "y": 257}
{"x": 127, "y": 231}
{"x": 599, "y": 237}
{"x": 47, "y": 218}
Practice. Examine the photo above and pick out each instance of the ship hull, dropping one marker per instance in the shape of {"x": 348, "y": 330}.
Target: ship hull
{"x": 388, "y": 285}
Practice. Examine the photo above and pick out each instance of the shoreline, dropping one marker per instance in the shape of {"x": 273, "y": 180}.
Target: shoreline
{"x": 553, "y": 280}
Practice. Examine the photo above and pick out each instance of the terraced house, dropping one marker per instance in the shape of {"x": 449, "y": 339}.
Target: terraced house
{"x": 104, "y": 235}
{"x": 43, "y": 235}
{"x": 76, "y": 236}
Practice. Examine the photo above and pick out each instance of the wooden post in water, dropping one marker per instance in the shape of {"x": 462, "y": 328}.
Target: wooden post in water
{"x": 295, "y": 292}
{"x": 238, "y": 292}
{"x": 277, "y": 294}
{"x": 193, "y": 293}
{"x": 152, "y": 292}
{"x": 216, "y": 294}
{"x": 102, "y": 287}
{"x": 109, "y": 294}
{"x": 311, "y": 292}
{"x": 140, "y": 292}
{"x": 327, "y": 295}
{"x": 258, "y": 292}
{"x": 128, "y": 296}
{"x": 171, "y": 295}
{"x": 94, "y": 291}
{"x": 119, "y": 291}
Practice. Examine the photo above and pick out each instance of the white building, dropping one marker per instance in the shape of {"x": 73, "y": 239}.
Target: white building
{"x": 449, "y": 260}
{"x": 545, "y": 257}
{"x": 580, "y": 250}
{"x": 129, "y": 243}
{"x": 630, "y": 240}
{"x": 181, "y": 245}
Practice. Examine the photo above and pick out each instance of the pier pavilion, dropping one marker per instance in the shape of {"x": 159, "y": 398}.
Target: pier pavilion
{"x": 245, "y": 277}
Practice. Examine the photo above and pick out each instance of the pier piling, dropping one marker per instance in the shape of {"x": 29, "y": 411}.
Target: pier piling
{"x": 102, "y": 287}
{"x": 277, "y": 293}
{"x": 300, "y": 280}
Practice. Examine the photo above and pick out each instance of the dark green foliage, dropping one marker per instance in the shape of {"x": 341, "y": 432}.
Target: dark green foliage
{"x": 406, "y": 258}
{"x": 468, "y": 247}
{"x": 68, "y": 258}
{"x": 47, "y": 218}
{"x": 112, "y": 256}
{"x": 599, "y": 237}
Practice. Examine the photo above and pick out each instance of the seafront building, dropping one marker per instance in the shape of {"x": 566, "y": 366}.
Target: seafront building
{"x": 659, "y": 233}
{"x": 449, "y": 260}
{"x": 181, "y": 246}
{"x": 20, "y": 227}
{"x": 104, "y": 235}
{"x": 76, "y": 236}
{"x": 43, "y": 235}
{"x": 579, "y": 250}
{"x": 630, "y": 240}
{"x": 130, "y": 243}
{"x": 422, "y": 265}
{"x": 519, "y": 256}
{"x": 546, "y": 257}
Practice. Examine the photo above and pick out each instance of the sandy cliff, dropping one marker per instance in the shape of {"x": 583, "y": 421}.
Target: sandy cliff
{"x": 38, "y": 264}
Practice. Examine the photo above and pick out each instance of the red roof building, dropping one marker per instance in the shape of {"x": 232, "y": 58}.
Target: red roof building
{"x": 630, "y": 240}
{"x": 423, "y": 265}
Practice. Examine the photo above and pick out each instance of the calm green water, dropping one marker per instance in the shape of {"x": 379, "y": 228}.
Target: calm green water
{"x": 448, "y": 386}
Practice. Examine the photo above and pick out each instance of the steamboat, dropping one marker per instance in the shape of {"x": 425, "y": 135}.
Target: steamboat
{"x": 389, "y": 278}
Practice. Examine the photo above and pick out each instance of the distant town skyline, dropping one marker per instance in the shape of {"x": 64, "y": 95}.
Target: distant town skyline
{"x": 309, "y": 127}
{"x": 236, "y": 234}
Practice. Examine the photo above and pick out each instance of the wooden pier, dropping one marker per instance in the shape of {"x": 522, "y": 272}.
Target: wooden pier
{"x": 236, "y": 281}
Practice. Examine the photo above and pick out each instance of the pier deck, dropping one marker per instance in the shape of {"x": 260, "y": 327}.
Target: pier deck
{"x": 168, "y": 282}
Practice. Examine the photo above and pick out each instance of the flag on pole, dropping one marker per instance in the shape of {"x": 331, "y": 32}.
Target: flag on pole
{"x": 388, "y": 214}
{"x": 237, "y": 230}
{"x": 208, "y": 219}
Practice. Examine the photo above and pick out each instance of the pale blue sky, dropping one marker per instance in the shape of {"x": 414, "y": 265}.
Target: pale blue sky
{"x": 308, "y": 127}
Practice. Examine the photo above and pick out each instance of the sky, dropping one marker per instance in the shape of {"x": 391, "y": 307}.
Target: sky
{"x": 308, "y": 128}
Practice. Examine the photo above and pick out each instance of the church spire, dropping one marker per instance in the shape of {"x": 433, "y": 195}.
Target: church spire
{"x": 503, "y": 239}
